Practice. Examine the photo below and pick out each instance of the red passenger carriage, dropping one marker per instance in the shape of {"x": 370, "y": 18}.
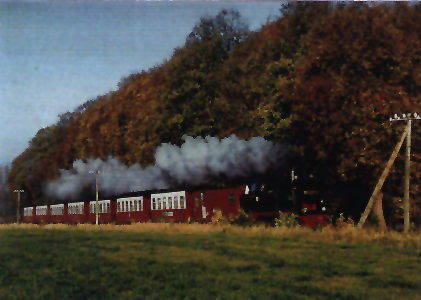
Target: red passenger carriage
{"x": 42, "y": 214}
{"x": 77, "y": 212}
{"x": 106, "y": 211}
{"x": 28, "y": 215}
{"x": 57, "y": 213}
{"x": 133, "y": 209}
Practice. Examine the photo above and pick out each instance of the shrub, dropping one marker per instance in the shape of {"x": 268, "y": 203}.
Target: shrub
{"x": 218, "y": 218}
{"x": 286, "y": 220}
{"x": 242, "y": 220}
{"x": 342, "y": 222}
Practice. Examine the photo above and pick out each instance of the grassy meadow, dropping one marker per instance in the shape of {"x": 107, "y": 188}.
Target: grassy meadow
{"x": 193, "y": 261}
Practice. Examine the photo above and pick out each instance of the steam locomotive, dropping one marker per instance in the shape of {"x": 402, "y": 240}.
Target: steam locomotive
{"x": 261, "y": 201}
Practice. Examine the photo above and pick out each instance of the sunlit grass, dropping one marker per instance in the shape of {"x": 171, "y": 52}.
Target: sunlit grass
{"x": 212, "y": 261}
{"x": 344, "y": 233}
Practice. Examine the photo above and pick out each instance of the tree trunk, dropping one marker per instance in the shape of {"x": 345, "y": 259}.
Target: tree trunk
{"x": 378, "y": 212}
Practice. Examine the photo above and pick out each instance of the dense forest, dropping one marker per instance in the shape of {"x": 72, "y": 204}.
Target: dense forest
{"x": 323, "y": 77}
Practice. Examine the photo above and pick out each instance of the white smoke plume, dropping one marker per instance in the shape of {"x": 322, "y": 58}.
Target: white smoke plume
{"x": 189, "y": 164}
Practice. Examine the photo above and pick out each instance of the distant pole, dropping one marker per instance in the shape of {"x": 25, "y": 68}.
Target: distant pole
{"x": 96, "y": 185}
{"x": 406, "y": 205}
{"x": 18, "y": 213}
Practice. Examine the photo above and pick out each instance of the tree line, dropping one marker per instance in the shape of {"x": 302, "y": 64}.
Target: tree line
{"x": 323, "y": 77}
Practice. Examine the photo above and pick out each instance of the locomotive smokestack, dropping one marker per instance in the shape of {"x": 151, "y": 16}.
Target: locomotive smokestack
{"x": 190, "y": 164}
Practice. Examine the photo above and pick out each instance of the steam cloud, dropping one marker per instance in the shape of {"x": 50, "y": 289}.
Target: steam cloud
{"x": 189, "y": 164}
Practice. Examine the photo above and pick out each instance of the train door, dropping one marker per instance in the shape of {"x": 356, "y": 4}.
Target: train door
{"x": 197, "y": 206}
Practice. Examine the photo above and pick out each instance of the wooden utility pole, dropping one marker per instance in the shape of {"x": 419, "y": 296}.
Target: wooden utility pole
{"x": 406, "y": 205}
{"x": 407, "y": 171}
{"x": 381, "y": 180}
{"x": 18, "y": 210}
{"x": 96, "y": 188}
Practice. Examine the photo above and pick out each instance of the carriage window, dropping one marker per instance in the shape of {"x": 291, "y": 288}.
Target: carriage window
{"x": 141, "y": 204}
{"x": 231, "y": 198}
{"x": 108, "y": 207}
{"x": 159, "y": 203}
{"x": 170, "y": 203}
{"x": 118, "y": 206}
{"x": 164, "y": 202}
{"x": 182, "y": 202}
{"x": 135, "y": 205}
{"x": 176, "y": 202}
{"x": 131, "y": 205}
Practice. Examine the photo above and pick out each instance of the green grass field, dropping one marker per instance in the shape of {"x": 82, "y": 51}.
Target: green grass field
{"x": 41, "y": 263}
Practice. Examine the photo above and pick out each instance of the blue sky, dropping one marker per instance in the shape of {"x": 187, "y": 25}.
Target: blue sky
{"x": 54, "y": 56}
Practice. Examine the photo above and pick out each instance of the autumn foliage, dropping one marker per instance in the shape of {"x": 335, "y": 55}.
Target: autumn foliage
{"x": 326, "y": 78}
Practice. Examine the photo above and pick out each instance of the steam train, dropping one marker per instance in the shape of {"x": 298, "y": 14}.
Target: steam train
{"x": 261, "y": 201}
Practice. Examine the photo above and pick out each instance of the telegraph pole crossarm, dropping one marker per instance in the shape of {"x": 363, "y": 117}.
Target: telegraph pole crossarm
{"x": 18, "y": 213}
